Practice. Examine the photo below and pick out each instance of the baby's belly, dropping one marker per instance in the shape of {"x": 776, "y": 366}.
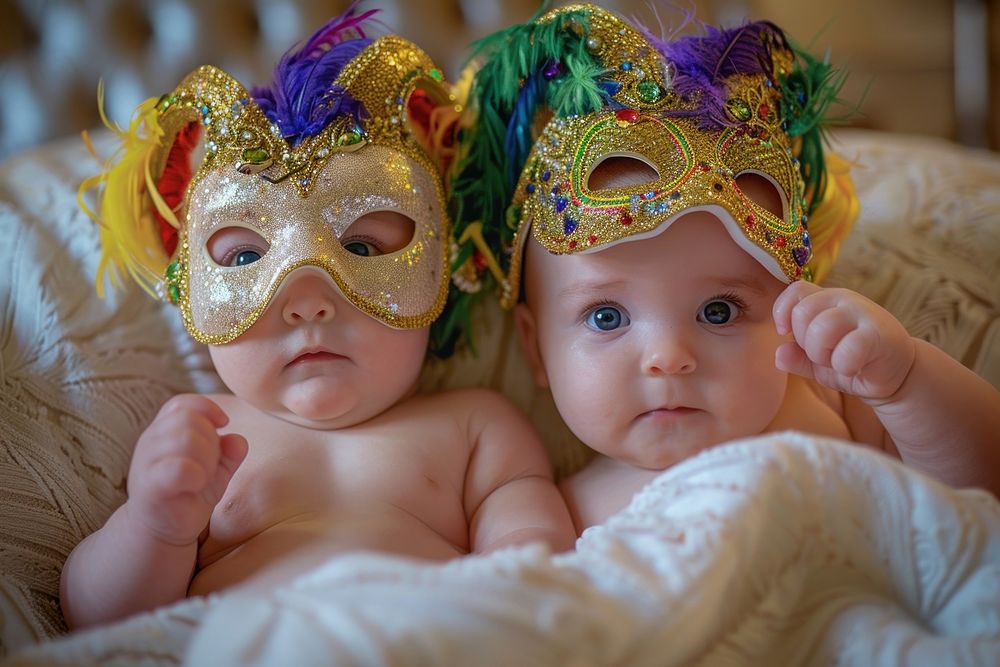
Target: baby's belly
{"x": 293, "y": 547}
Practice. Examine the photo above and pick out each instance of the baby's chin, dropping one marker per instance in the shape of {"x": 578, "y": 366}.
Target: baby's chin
{"x": 317, "y": 407}
{"x": 314, "y": 405}
{"x": 665, "y": 451}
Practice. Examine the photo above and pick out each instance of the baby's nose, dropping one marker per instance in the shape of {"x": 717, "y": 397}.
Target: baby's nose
{"x": 668, "y": 354}
{"x": 308, "y": 298}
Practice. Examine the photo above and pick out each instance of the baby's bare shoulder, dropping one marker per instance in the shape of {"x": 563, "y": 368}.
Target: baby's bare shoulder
{"x": 477, "y": 411}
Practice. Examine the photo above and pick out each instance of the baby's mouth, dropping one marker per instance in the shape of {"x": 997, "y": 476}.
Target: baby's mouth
{"x": 668, "y": 412}
{"x": 316, "y": 356}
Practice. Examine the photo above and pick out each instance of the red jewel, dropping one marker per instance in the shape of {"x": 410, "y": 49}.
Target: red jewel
{"x": 706, "y": 167}
{"x": 627, "y": 115}
{"x": 626, "y": 219}
{"x": 751, "y": 220}
{"x": 478, "y": 260}
{"x": 592, "y": 239}
{"x": 780, "y": 242}
{"x": 572, "y": 244}
{"x": 763, "y": 110}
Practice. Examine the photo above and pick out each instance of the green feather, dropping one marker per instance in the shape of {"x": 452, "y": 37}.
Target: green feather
{"x": 481, "y": 190}
{"x": 809, "y": 92}
{"x": 578, "y": 92}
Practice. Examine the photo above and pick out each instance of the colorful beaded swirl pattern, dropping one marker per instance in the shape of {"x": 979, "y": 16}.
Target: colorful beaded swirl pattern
{"x": 578, "y": 85}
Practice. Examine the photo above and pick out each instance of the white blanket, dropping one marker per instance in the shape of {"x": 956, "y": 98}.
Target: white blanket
{"x": 785, "y": 549}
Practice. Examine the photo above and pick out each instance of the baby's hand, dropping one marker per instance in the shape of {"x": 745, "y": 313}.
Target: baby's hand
{"x": 181, "y": 467}
{"x": 843, "y": 340}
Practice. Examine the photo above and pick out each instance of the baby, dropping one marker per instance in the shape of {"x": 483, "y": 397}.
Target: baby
{"x": 662, "y": 200}
{"x": 301, "y": 231}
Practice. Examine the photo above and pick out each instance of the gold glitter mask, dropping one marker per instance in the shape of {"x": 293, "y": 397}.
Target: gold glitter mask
{"x": 700, "y": 119}
{"x": 694, "y": 170}
{"x": 302, "y": 198}
{"x": 398, "y": 288}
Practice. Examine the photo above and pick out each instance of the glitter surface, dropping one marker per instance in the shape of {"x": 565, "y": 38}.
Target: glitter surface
{"x": 696, "y": 169}
{"x": 303, "y": 231}
{"x": 301, "y": 199}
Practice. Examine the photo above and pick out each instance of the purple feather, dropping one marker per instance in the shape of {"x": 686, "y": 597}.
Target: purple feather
{"x": 302, "y": 98}
{"x": 701, "y": 64}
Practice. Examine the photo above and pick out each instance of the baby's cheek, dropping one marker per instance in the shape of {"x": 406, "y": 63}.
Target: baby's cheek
{"x": 756, "y": 404}
{"x": 590, "y": 409}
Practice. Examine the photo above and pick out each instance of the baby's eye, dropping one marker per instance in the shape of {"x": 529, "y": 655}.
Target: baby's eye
{"x": 606, "y": 318}
{"x": 244, "y": 257}
{"x": 236, "y": 246}
{"x": 718, "y": 311}
{"x": 361, "y": 248}
{"x": 378, "y": 233}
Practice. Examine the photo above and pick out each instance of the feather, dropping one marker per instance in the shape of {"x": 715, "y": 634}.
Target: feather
{"x": 522, "y": 67}
{"x": 517, "y": 138}
{"x": 703, "y": 63}
{"x": 302, "y": 98}
{"x": 507, "y": 90}
{"x": 130, "y": 238}
{"x": 808, "y": 92}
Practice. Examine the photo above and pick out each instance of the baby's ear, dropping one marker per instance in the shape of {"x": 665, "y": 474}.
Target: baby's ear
{"x": 527, "y": 334}
{"x": 433, "y": 115}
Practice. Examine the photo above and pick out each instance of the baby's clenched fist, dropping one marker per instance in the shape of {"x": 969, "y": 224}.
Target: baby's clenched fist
{"x": 181, "y": 468}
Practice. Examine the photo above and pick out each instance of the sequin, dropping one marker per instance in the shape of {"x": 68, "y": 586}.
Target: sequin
{"x": 273, "y": 190}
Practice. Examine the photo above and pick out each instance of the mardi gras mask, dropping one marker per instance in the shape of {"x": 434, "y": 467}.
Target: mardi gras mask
{"x": 698, "y": 116}
{"x": 369, "y": 151}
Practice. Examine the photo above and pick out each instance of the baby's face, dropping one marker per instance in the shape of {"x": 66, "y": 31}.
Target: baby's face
{"x": 658, "y": 348}
{"x": 313, "y": 358}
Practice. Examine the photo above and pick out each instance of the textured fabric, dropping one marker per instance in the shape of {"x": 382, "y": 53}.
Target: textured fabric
{"x": 81, "y": 377}
{"x": 731, "y": 557}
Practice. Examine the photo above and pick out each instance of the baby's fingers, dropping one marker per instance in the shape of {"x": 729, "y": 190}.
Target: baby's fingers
{"x": 233, "y": 450}
{"x": 821, "y": 333}
{"x": 174, "y": 475}
{"x": 789, "y": 357}
{"x": 193, "y": 403}
{"x": 787, "y": 302}
{"x": 855, "y": 350}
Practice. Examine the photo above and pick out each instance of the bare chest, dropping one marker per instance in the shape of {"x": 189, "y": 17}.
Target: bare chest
{"x": 380, "y": 489}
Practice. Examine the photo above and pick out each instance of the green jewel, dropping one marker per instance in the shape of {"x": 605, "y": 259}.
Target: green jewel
{"x": 165, "y": 101}
{"x": 739, "y": 109}
{"x": 348, "y": 138}
{"x": 649, "y": 91}
{"x": 173, "y": 274}
{"x": 255, "y": 155}
{"x": 436, "y": 74}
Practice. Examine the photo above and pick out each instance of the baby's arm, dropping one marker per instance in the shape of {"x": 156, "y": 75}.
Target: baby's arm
{"x": 510, "y": 497}
{"x": 942, "y": 417}
{"x": 144, "y": 556}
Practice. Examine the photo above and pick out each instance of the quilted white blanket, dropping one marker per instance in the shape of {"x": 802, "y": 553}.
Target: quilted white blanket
{"x": 784, "y": 549}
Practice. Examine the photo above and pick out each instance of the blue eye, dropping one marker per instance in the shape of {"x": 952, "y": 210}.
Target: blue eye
{"x": 359, "y": 248}
{"x": 245, "y": 257}
{"x": 606, "y": 318}
{"x": 718, "y": 311}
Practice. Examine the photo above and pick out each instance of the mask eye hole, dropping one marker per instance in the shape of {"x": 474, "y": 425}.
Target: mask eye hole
{"x": 762, "y": 191}
{"x": 236, "y": 246}
{"x": 378, "y": 233}
{"x": 621, "y": 172}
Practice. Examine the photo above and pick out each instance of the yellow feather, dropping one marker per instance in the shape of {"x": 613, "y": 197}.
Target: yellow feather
{"x": 834, "y": 217}
{"x": 130, "y": 239}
